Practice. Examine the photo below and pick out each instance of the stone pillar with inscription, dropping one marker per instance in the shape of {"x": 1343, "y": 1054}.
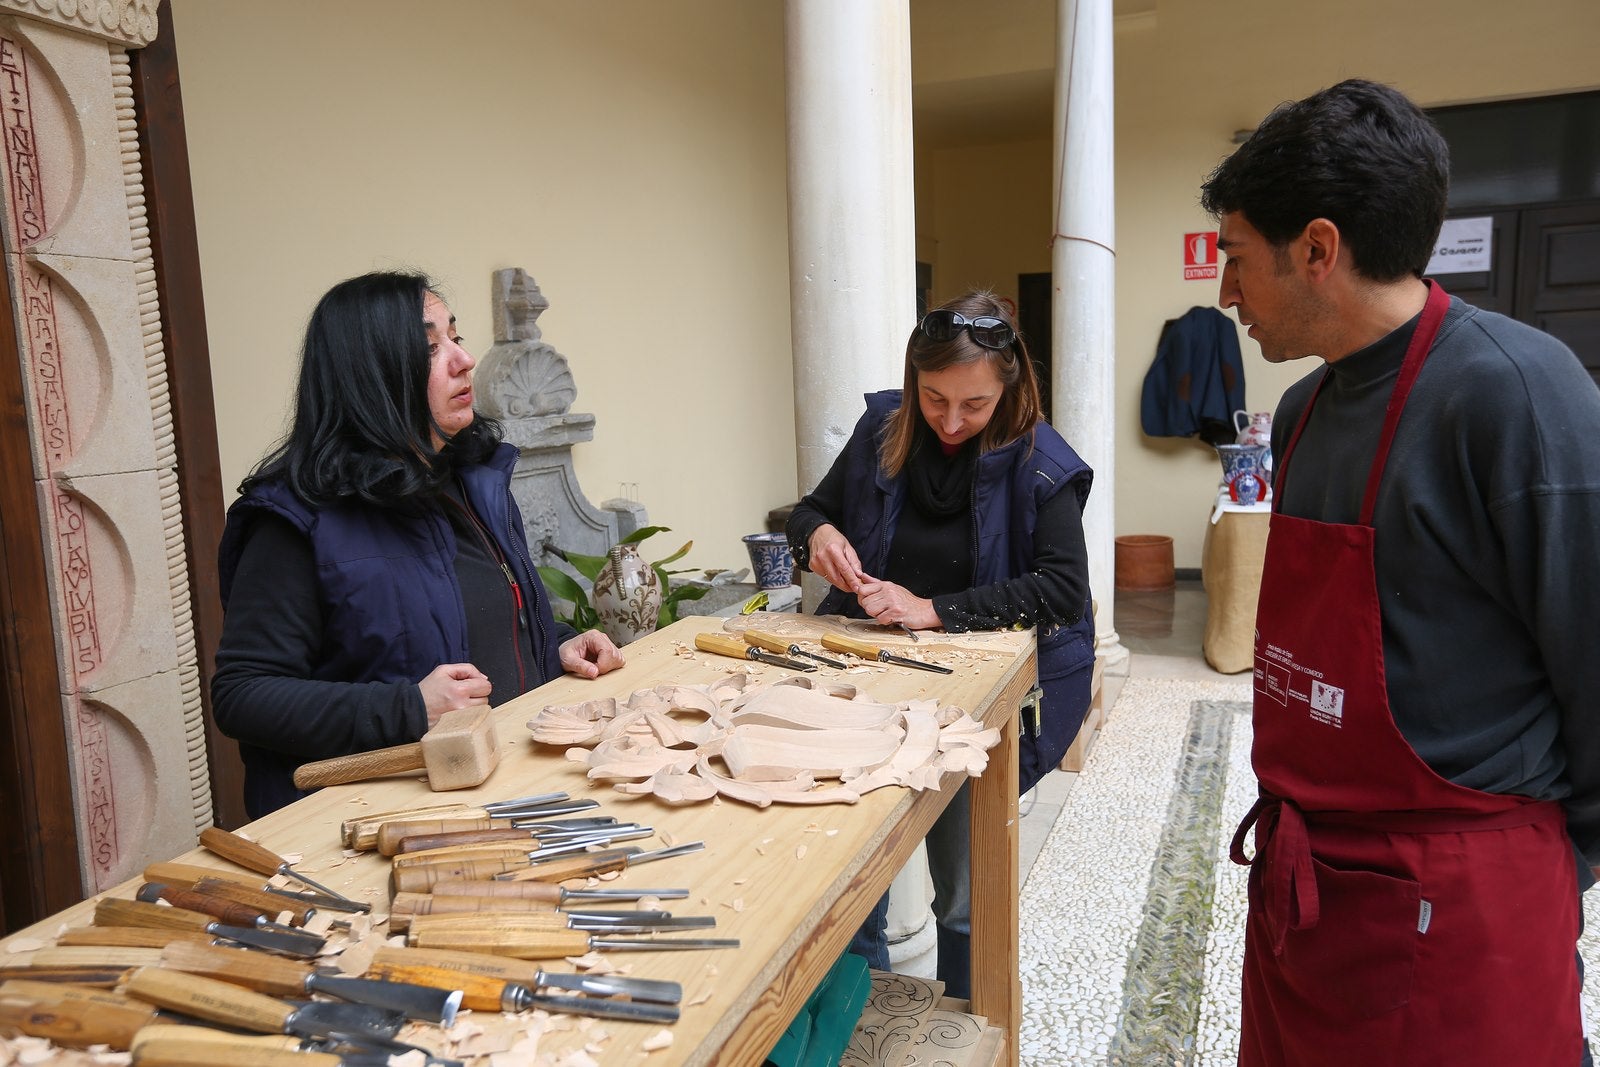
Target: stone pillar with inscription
{"x": 77, "y": 256}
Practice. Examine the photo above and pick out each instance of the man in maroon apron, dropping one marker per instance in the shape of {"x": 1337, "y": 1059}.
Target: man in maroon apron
{"x": 1427, "y": 658}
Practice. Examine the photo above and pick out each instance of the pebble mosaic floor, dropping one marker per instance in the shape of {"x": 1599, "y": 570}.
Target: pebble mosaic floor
{"x": 1132, "y": 918}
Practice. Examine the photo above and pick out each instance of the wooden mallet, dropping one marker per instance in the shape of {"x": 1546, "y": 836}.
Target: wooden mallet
{"x": 458, "y": 753}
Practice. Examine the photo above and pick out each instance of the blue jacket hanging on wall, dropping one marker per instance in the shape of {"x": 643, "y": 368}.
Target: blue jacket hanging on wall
{"x": 1197, "y": 380}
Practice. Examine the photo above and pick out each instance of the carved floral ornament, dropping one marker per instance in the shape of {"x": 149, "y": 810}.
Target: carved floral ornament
{"x": 793, "y": 742}
{"x": 127, "y": 22}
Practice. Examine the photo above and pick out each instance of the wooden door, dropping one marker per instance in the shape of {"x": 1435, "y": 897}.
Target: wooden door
{"x": 1558, "y": 276}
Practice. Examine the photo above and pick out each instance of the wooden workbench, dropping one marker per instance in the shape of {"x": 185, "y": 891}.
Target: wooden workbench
{"x": 792, "y": 882}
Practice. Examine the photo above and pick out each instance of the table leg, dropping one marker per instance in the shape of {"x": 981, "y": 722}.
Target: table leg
{"x": 996, "y": 981}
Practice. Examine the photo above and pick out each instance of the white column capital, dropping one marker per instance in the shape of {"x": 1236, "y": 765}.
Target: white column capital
{"x": 126, "y": 22}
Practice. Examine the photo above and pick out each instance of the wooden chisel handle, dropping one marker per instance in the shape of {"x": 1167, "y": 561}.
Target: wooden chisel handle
{"x": 770, "y": 642}
{"x": 455, "y": 839}
{"x": 222, "y": 909}
{"x": 360, "y": 766}
{"x": 421, "y": 879}
{"x": 129, "y": 937}
{"x": 723, "y": 645}
{"x": 517, "y": 922}
{"x": 481, "y": 963}
{"x": 114, "y": 911}
{"x": 391, "y": 834}
{"x": 584, "y": 865}
{"x": 523, "y": 944}
{"x": 270, "y": 904}
{"x": 463, "y": 853}
{"x": 271, "y": 975}
{"x": 25, "y": 989}
{"x": 207, "y": 998}
{"x": 480, "y": 992}
{"x": 188, "y": 874}
{"x": 101, "y": 977}
{"x": 72, "y": 1023}
{"x": 236, "y": 849}
{"x": 218, "y": 1049}
{"x": 362, "y": 833}
{"x": 96, "y": 956}
{"x": 175, "y": 1034}
{"x": 853, "y": 645}
{"x": 543, "y": 892}
{"x": 410, "y": 904}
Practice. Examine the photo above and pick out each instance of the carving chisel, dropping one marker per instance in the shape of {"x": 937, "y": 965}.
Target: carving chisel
{"x": 231, "y": 912}
{"x": 362, "y": 834}
{"x": 543, "y": 847}
{"x": 729, "y": 645}
{"x": 287, "y": 978}
{"x": 546, "y": 893}
{"x": 254, "y": 857}
{"x": 407, "y": 839}
{"x": 231, "y": 1005}
{"x": 782, "y": 646}
{"x": 591, "y": 864}
{"x": 556, "y": 944}
{"x": 484, "y": 993}
{"x": 112, "y": 911}
{"x": 534, "y": 923}
{"x": 523, "y": 973}
{"x": 386, "y": 837}
{"x": 869, "y": 651}
{"x": 193, "y": 874}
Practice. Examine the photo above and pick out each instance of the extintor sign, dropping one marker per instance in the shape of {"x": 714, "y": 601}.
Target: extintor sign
{"x": 1199, "y": 255}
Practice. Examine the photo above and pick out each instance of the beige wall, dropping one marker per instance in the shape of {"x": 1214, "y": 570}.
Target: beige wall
{"x": 630, "y": 155}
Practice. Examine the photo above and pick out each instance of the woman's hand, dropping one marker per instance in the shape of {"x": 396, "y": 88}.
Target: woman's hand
{"x": 834, "y": 559}
{"x": 590, "y": 654}
{"x": 450, "y": 686}
{"x": 896, "y": 605}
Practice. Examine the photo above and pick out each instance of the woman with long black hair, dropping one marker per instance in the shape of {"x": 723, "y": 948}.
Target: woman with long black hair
{"x": 374, "y": 570}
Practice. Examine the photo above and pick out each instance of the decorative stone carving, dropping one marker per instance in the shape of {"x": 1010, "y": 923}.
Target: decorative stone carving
{"x": 77, "y": 253}
{"x": 128, "y": 22}
{"x": 526, "y": 384}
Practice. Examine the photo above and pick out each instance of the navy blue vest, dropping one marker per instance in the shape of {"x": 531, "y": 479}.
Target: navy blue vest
{"x": 1008, "y": 486}
{"x": 387, "y": 582}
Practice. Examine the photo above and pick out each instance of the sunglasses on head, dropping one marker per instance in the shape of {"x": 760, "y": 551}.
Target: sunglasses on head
{"x": 986, "y": 330}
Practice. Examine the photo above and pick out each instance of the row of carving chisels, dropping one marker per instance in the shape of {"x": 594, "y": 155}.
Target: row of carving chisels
{"x": 477, "y": 893}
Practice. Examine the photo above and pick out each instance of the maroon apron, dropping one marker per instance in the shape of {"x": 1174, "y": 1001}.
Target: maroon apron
{"x": 1395, "y": 917}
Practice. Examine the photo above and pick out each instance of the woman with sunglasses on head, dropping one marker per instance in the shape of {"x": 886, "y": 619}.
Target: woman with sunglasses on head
{"x": 955, "y": 505}
{"x": 374, "y": 571}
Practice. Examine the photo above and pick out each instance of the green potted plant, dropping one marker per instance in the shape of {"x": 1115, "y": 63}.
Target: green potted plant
{"x": 583, "y": 615}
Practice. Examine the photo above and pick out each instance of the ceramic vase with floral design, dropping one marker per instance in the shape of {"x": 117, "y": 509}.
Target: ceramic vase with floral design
{"x": 627, "y": 595}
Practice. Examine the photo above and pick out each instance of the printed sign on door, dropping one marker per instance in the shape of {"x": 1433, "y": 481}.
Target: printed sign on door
{"x": 1199, "y": 255}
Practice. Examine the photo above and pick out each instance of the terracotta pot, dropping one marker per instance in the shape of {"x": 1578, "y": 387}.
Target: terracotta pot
{"x": 627, "y": 595}
{"x": 1144, "y": 563}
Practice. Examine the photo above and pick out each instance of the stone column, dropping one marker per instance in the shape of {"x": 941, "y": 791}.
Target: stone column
{"x": 77, "y": 254}
{"x": 1083, "y": 262}
{"x": 852, "y": 246}
{"x": 852, "y": 220}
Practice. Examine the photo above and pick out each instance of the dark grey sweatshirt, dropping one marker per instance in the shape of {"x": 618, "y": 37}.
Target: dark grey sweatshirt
{"x": 1488, "y": 522}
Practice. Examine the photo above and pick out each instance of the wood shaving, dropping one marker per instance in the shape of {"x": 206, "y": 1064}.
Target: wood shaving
{"x": 811, "y": 828}
{"x": 588, "y": 961}
{"x": 355, "y": 960}
{"x": 666, "y": 838}
{"x": 833, "y": 833}
{"x": 740, "y": 881}
{"x": 699, "y": 998}
{"x": 659, "y": 1040}
{"x": 27, "y": 944}
{"x": 319, "y": 923}
{"x": 415, "y": 1058}
{"x": 800, "y": 852}
{"x": 293, "y": 858}
{"x": 760, "y": 851}
{"x": 737, "y": 904}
